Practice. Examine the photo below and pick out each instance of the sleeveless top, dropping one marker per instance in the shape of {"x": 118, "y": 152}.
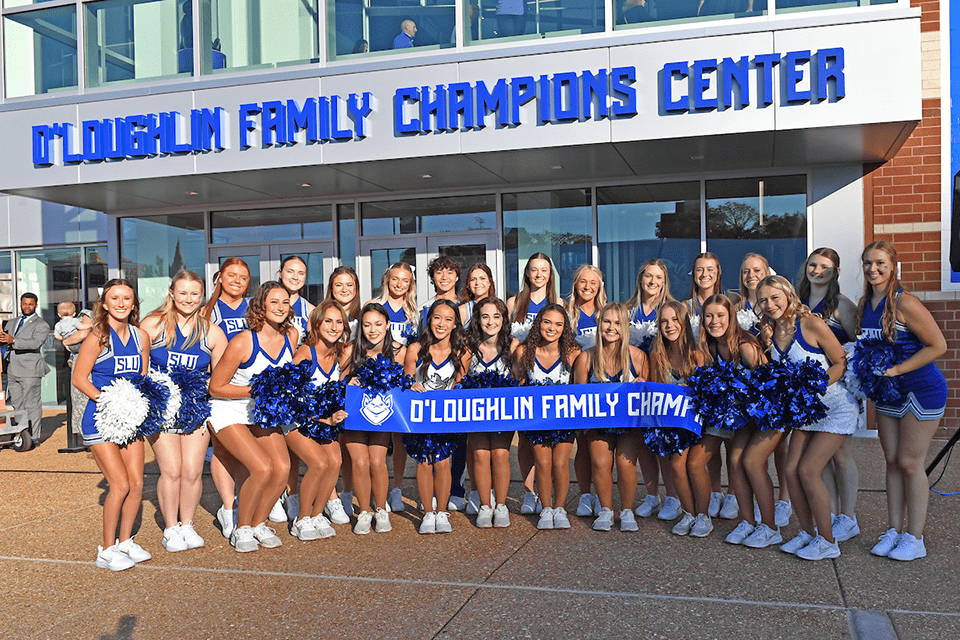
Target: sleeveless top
{"x": 232, "y": 321}
{"x": 260, "y": 360}
{"x": 639, "y": 316}
{"x": 615, "y": 377}
{"x": 320, "y": 377}
{"x": 799, "y": 350}
{"x": 872, "y": 327}
{"x": 533, "y": 308}
{"x": 118, "y": 360}
{"x": 498, "y": 364}
{"x": 301, "y": 318}
{"x": 558, "y": 373}
{"x": 196, "y": 357}
{"x": 398, "y": 318}
{"x": 468, "y": 305}
{"x": 586, "y": 325}
{"x": 439, "y": 377}
{"x": 832, "y": 322}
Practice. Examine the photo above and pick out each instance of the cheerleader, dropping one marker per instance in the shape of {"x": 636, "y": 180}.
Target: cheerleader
{"x": 115, "y": 348}
{"x": 753, "y": 269}
{"x": 792, "y": 333}
{"x": 906, "y": 425}
{"x": 262, "y": 452}
{"x": 180, "y": 336}
{"x": 819, "y": 289}
{"x": 227, "y": 308}
{"x": 477, "y": 285}
{"x": 437, "y": 361}
{"x": 547, "y": 355}
{"x": 343, "y": 287}
{"x": 652, "y": 290}
{"x": 587, "y": 296}
{"x": 327, "y": 335}
{"x": 673, "y": 357}
{"x": 367, "y": 450}
{"x": 489, "y": 337}
{"x": 539, "y": 289}
{"x": 706, "y": 280}
{"x": 722, "y": 337}
{"x": 613, "y": 359}
{"x": 399, "y": 297}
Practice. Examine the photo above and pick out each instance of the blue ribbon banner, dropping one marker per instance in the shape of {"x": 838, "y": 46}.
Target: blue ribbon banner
{"x": 644, "y": 405}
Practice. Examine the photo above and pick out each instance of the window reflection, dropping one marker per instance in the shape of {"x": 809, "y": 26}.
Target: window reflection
{"x": 254, "y": 225}
{"x": 154, "y": 249}
{"x": 510, "y": 20}
{"x": 360, "y": 27}
{"x": 40, "y": 52}
{"x": 429, "y": 215}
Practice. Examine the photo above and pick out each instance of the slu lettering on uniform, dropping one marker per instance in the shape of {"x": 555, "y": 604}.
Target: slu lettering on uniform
{"x": 728, "y": 81}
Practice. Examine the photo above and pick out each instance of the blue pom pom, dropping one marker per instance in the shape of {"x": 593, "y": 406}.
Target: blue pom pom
{"x": 277, "y": 393}
{"x": 381, "y": 374}
{"x": 321, "y": 402}
{"x": 157, "y": 396}
{"x": 486, "y": 380}
{"x": 429, "y": 447}
{"x": 720, "y": 395}
{"x": 871, "y": 359}
{"x": 668, "y": 441}
{"x": 787, "y": 395}
{"x": 194, "y": 397}
{"x": 408, "y": 335}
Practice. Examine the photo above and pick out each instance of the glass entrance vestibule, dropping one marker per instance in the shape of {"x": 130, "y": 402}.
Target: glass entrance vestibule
{"x": 615, "y": 227}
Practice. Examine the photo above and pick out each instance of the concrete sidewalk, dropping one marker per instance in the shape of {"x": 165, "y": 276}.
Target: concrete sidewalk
{"x": 498, "y": 583}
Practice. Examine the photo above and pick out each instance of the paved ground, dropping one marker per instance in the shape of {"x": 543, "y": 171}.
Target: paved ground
{"x": 496, "y": 583}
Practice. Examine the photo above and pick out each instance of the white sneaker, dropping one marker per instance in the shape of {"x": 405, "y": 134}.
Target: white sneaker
{"x": 278, "y": 513}
{"x": 243, "y": 540}
{"x": 670, "y": 510}
{"x": 782, "y": 512}
{"x": 172, "y": 540}
{"x": 456, "y": 503}
{"x": 335, "y": 512}
{"x": 713, "y": 509}
{"x": 729, "y": 509}
{"x": 323, "y": 526}
{"x": 112, "y": 559}
{"x": 443, "y": 522}
{"x": 473, "y": 503}
{"x": 627, "y": 521}
{"x": 683, "y": 527}
{"x": 844, "y": 527}
{"x": 501, "y": 517}
{"x": 763, "y": 536}
{"x": 546, "y": 519}
{"x": 604, "y": 521}
{"x": 888, "y": 542}
{"x": 596, "y": 505}
{"x": 741, "y": 533}
{"x": 429, "y": 523}
{"x": 908, "y": 548}
{"x": 485, "y": 517}
{"x": 292, "y": 505}
{"x": 819, "y": 549}
{"x": 803, "y": 539}
{"x": 266, "y": 536}
{"x": 346, "y": 503}
{"x": 190, "y": 536}
{"x": 305, "y": 529}
{"x": 585, "y": 508}
{"x": 647, "y": 507}
{"x": 702, "y": 525}
{"x": 132, "y": 550}
{"x": 531, "y": 504}
{"x": 395, "y": 501}
{"x": 382, "y": 519}
{"x": 227, "y": 520}
{"x": 362, "y": 527}
{"x": 560, "y": 520}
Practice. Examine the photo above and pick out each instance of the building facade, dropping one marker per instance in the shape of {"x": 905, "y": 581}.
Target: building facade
{"x": 596, "y": 131}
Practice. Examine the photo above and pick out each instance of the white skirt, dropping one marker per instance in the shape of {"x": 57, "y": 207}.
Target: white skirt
{"x": 227, "y": 411}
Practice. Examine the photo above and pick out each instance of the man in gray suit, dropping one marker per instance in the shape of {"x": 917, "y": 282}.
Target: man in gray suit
{"x": 24, "y": 337}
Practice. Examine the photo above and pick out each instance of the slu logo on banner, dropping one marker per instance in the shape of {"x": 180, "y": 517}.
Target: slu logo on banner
{"x": 376, "y": 408}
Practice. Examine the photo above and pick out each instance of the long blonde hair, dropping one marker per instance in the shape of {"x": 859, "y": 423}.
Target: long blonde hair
{"x": 734, "y": 337}
{"x": 623, "y": 352}
{"x": 660, "y": 368}
{"x": 637, "y": 298}
{"x": 795, "y": 309}
{"x": 573, "y": 304}
{"x": 167, "y": 312}
{"x": 409, "y": 298}
{"x": 767, "y": 271}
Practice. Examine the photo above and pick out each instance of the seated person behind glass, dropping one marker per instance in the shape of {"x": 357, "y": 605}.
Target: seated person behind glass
{"x": 633, "y": 11}
{"x": 361, "y": 46}
{"x": 404, "y": 40}
{"x": 717, "y": 7}
{"x": 70, "y": 324}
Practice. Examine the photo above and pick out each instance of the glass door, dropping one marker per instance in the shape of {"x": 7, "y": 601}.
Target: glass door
{"x": 376, "y": 256}
{"x": 264, "y": 262}
{"x": 468, "y": 249}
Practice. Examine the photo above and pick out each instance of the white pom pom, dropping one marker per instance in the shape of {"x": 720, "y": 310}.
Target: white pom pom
{"x": 640, "y": 331}
{"x": 746, "y": 318}
{"x": 121, "y": 410}
{"x": 695, "y": 326}
{"x": 520, "y": 330}
{"x": 173, "y": 404}
{"x": 586, "y": 340}
{"x": 849, "y": 378}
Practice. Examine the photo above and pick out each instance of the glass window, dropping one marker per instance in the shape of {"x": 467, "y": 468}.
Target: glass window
{"x": 255, "y": 225}
{"x": 154, "y": 249}
{"x": 359, "y": 27}
{"x": 557, "y": 223}
{"x": 71, "y": 224}
{"x": 137, "y": 40}
{"x": 631, "y": 13}
{"x": 95, "y": 275}
{"x": 40, "y": 55}
{"x": 250, "y": 34}
{"x": 382, "y": 259}
{"x": 639, "y": 222}
{"x": 790, "y": 6}
{"x": 348, "y": 235}
{"x": 511, "y": 20}
{"x": 429, "y": 215}
{"x": 763, "y": 215}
